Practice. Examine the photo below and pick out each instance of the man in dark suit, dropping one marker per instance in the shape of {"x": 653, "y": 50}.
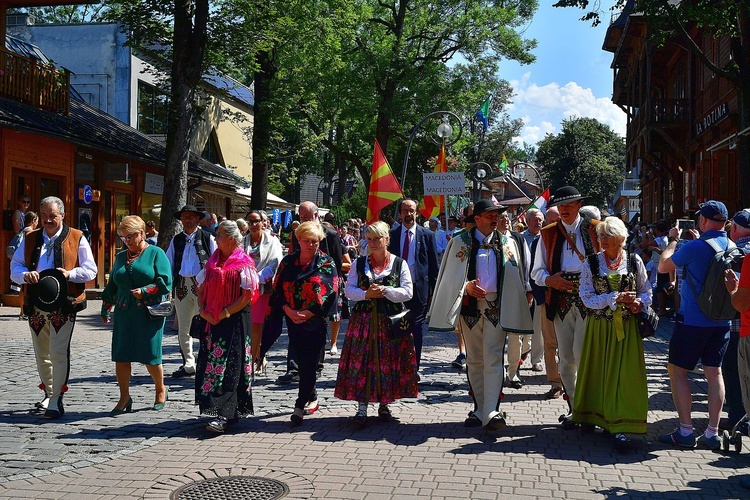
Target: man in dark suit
{"x": 416, "y": 245}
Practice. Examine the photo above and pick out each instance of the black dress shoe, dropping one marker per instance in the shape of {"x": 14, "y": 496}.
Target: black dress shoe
{"x": 515, "y": 384}
{"x": 568, "y": 424}
{"x": 472, "y": 421}
{"x": 496, "y": 423}
{"x": 181, "y": 372}
{"x": 288, "y": 378}
{"x": 52, "y": 413}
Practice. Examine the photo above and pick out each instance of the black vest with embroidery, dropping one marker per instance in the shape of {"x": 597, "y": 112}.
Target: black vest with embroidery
{"x": 202, "y": 243}
{"x": 363, "y": 282}
{"x": 602, "y": 285}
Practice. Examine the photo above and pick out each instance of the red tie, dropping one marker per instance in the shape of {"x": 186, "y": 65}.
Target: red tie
{"x": 407, "y": 241}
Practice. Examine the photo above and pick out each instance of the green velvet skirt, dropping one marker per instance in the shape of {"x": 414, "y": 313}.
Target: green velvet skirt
{"x": 611, "y": 390}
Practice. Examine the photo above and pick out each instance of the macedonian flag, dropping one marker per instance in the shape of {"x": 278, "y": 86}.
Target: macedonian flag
{"x": 384, "y": 188}
{"x": 430, "y": 206}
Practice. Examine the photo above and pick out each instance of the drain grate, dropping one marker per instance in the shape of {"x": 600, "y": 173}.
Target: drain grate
{"x": 232, "y": 487}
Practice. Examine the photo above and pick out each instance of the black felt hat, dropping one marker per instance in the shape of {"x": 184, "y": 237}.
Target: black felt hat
{"x": 485, "y": 205}
{"x": 565, "y": 194}
{"x": 51, "y": 291}
{"x": 190, "y": 209}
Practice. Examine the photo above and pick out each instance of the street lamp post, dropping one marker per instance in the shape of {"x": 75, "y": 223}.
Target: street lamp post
{"x": 479, "y": 171}
{"x": 522, "y": 175}
{"x": 444, "y": 132}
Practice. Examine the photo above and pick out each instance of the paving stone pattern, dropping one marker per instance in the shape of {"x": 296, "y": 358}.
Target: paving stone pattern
{"x": 426, "y": 453}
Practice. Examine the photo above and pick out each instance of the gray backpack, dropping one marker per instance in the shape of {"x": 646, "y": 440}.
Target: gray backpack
{"x": 713, "y": 300}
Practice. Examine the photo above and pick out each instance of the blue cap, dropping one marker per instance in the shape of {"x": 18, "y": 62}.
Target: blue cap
{"x": 742, "y": 218}
{"x": 714, "y": 210}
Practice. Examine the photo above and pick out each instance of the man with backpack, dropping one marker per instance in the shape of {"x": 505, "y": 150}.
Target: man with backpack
{"x": 696, "y": 335}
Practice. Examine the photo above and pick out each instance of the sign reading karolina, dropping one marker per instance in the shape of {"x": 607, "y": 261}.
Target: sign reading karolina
{"x": 444, "y": 183}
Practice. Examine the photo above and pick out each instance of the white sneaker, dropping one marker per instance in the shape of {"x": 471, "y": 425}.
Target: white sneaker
{"x": 334, "y": 350}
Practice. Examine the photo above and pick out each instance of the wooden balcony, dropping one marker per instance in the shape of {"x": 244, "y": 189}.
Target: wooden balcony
{"x": 31, "y": 82}
{"x": 668, "y": 112}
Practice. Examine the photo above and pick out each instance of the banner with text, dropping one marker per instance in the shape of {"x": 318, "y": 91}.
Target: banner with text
{"x": 444, "y": 183}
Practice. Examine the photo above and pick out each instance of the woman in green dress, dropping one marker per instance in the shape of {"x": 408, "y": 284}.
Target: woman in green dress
{"x": 140, "y": 276}
{"x": 611, "y": 390}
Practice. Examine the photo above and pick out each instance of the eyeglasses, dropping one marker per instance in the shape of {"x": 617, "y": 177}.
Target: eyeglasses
{"x": 254, "y": 222}
{"x": 129, "y": 237}
{"x": 405, "y": 211}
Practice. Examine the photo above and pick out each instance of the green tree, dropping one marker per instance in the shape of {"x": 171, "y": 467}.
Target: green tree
{"x": 586, "y": 154}
{"x": 67, "y": 14}
{"x": 717, "y": 18}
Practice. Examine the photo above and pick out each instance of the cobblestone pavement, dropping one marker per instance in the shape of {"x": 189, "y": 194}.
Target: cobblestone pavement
{"x": 426, "y": 453}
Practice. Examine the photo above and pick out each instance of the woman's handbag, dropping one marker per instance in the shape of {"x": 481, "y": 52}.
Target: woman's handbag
{"x": 161, "y": 310}
{"x": 400, "y": 324}
{"x": 197, "y": 326}
{"x": 647, "y": 321}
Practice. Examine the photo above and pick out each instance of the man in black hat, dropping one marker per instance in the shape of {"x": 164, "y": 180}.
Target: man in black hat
{"x": 187, "y": 253}
{"x": 60, "y": 257}
{"x": 559, "y": 258}
{"x": 483, "y": 286}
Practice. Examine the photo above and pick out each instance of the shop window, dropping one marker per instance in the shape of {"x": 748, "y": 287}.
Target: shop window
{"x": 153, "y": 109}
{"x": 151, "y": 208}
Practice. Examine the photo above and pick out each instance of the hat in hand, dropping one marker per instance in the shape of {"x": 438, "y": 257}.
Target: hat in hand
{"x": 714, "y": 210}
{"x": 51, "y": 291}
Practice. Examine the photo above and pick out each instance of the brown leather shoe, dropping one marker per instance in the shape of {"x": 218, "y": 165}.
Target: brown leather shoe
{"x": 496, "y": 423}
{"x": 553, "y": 393}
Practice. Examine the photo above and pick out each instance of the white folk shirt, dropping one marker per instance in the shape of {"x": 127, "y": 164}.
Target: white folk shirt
{"x": 401, "y": 293}
{"x": 569, "y": 262}
{"x": 486, "y": 265}
{"x": 190, "y": 266}
{"x": 86, "y": 270}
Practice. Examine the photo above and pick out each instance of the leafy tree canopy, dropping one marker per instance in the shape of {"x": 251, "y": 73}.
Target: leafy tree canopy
{"x": 586, "y": 154}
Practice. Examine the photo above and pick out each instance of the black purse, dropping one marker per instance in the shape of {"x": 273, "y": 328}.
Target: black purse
{"x": 648, "y": 321}
{"x": 400, "y": 324}
{"x": 197, "y": 326}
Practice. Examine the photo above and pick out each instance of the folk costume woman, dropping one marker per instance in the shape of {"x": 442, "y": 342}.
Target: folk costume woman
{"x": 611, "y": 391}
{"x": 140, "y": 276}
{"x": 375, "y": 368}
{"x": 304, "y": 291}
{"x": 227, "y": 285}
{"x": 267, "y": 252}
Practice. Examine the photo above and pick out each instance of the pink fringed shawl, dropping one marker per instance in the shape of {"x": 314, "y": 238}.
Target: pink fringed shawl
{"x": 222, "y": 284}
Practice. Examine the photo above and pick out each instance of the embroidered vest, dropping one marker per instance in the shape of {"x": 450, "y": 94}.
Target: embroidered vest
{"x": 553, "y": 241}
{"x": 202, "y": 243}
{"x": 65, "y": 255}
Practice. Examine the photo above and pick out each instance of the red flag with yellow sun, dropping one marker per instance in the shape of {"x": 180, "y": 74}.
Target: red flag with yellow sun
{"x": 384, "y": 188}
{"x": 430, "y": 205}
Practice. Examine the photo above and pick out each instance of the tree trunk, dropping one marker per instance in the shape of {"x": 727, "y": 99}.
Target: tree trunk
{"x": 261, "y": 129}
{"x": 341, "y": 167}
{"x": 189, "y": 41}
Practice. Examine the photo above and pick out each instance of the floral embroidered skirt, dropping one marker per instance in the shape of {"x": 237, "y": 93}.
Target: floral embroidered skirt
{"x": 611, "y": 390}
{"x": 223, "y": 376}
{"x": 374, "y": 368}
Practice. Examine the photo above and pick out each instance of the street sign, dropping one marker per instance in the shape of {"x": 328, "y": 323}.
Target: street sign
{"x": 451, "y": 183}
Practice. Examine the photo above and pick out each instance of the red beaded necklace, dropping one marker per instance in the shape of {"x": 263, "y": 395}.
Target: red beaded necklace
{"x": 380, "y": 269}
{"x": 615, "y": 264}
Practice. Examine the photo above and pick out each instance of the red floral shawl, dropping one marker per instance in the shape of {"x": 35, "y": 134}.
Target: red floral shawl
{"x": 222, "y": 284}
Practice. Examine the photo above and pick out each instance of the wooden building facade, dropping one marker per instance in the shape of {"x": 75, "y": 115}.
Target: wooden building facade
{"x": 682, "y": 118}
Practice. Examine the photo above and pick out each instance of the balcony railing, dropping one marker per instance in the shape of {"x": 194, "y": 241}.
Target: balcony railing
{"x": 668, "y": 111}
{"x": 628, "y": 188}
{"x": 31, "y": 82}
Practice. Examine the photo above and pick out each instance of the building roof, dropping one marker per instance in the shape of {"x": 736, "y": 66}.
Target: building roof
{"x": 90, "y": 127}
{"x": 25, "y": 49}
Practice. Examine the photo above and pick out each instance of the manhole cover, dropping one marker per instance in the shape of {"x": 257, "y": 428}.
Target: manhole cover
{"x": 233, "y": 487}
